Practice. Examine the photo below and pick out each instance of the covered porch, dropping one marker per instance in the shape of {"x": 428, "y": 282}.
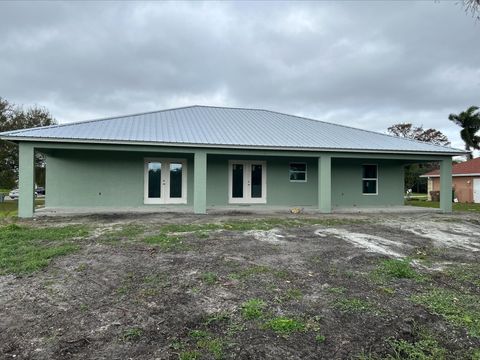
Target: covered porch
{"x": 98, "y": 177}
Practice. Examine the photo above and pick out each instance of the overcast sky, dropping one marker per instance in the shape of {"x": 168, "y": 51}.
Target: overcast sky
{"x": 365, "y": 64}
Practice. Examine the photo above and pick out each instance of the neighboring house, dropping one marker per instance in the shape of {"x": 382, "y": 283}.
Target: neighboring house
{"x": 466, "y": 181}
{"x": 199, "y": 158}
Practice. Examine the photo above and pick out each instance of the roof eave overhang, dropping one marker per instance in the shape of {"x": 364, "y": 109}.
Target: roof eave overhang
{"x": 16, "y": 139}
{"x": 453, "y": 175}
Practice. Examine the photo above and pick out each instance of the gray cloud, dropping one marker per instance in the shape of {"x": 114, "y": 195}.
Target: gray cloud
{"x": 366, "y": 64}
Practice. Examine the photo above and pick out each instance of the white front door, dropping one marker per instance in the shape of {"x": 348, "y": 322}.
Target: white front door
{"x": 476, "y": 191}
{"x": 247, "y": 182}
{"x": 165, "y": 181}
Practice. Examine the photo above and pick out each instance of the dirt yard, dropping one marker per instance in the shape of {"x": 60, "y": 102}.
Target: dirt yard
{"x": 169, "y": 286}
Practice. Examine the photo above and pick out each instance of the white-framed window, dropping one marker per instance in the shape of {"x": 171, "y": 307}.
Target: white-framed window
{"x": 297, "y": 172}
{"x": 370, "y": 179}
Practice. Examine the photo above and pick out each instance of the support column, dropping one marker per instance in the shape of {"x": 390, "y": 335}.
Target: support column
{"x": 200, "y": 183}
{"x": 446, "y": 185}
{"x": 325, "y": 184}
{"x": 26, "y": 180}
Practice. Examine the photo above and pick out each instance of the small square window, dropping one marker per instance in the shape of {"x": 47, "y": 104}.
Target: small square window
{"x": 298, "y": 172}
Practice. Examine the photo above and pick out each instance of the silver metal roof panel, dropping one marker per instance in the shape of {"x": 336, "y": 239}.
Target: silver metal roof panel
{"x": 226, "y": 127}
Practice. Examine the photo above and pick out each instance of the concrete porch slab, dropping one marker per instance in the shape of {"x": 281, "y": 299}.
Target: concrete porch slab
{"x": 232, "y": 210}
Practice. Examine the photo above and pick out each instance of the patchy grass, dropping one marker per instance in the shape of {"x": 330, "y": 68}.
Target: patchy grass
{"x": 189, "y": 355}
{"x": 260, "y": 224}
{"x": 468, "y": 273}
{"x": 457, "y": 308}
{"x": 26, "y": 249}
{"x": 320, "y": 338}
{"x": 166, "y": 242}
{"x": 250, "y": 271}
{"x": 209, "y": 278}
{"x": 212, "y": 345}
{"x": 132, "y": 334}
{"x": 424, "y": 349}
{"x": 435, "y": 204}
{"x": 216, "y": 318}
{"x": 299, "y": 299}
{"x": 127, "y": 232}
{"x": 206, "y": 341}
{"x": 253, "y": 309}
{"x": 171, "y": 236}
{"x": 353, "y": 305}
{"x": 285, "y": 325}
{"x": 337, "y": 290}
{"x": 395, "y": 269}
{"x": 292, "y": 295}
{"x": 9, "y": 208}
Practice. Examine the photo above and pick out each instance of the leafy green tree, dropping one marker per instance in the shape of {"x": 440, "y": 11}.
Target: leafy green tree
{"x": 469, "y": 121}
{"x": 13, "y": 118}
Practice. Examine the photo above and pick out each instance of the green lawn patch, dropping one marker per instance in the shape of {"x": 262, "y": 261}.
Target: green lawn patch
{"x": 26, "y": 249}
{"x": 435, "y": 204}
{"x": 285, "y": 325}
{"x": 395, "y": 269}
{"x": 457, "y": 308}
{"x": 253, "y": 309}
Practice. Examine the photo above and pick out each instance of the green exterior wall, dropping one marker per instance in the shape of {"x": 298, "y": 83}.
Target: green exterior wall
{"x": 280, "y": 191}
{"x": 88, "y": 178}
{"x": 347, "y": 183}
{"x": 102, "y": 178}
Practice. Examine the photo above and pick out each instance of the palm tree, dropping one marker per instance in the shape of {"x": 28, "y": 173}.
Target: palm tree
{"x": 469, "y": 120}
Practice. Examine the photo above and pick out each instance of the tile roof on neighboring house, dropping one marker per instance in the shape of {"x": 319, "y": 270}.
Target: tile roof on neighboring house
{"x": 466, "y": 168}
{"x": 208, "y": 126}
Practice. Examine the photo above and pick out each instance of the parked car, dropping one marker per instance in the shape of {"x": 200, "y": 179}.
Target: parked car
{"x": 14, "y": 194}
{"x": 40, "y": 190}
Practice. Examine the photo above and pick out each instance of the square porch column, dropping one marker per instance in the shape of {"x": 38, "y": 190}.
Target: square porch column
{"x": 446, "y": 185}
{"x": 200, "y": 183}
{"x": 325, "y": 184}
{"x": 26, "y": 180}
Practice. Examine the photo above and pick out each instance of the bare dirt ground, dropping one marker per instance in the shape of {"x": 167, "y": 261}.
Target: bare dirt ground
{"x": 320, "y": 289}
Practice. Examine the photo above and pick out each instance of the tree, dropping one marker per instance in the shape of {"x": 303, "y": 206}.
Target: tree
{"x": 413, "y": 171}
{"x": 409, "y": 131}
{"x": 472, "y": 7}
{"x": 13, "y": 118}
{"x": 469, "y": 121}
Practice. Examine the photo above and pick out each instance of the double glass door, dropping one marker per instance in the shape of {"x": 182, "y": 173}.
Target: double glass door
{"x": 247, "y": 182}
{"x": 165, "y": 181}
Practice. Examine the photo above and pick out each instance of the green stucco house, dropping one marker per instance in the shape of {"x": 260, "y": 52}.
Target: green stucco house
{"x": 200, "y": 158}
